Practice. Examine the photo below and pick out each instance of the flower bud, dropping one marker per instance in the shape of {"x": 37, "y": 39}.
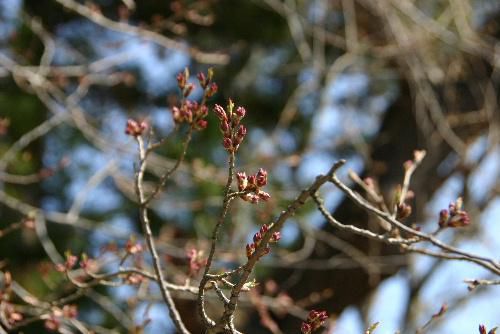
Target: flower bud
{"x": 305, "y": 328}
{"x": 263, "y": 229}
{"x": 228, "y": 144}
{"x": 275, "y": 237}
{"x": 224, "y": 128}
{"x": 201, "y": 124}
{"x": 261, "y": 178}
{"x": 250, "y": 248}
{"x": 242, "y": 131}
{"x": 241, "y": 112}
{"x": 403, "y": 211}
{"x": 263, "y": 195}
{"x": 257, "y": 237}
{"x": 242, "y": 180}
{"x": 211, "y": 90}
{"x": 181, "y": 81}
{"x": 443, "y": 218}
{"x": 220, "y": 112}
{"x": 188, "y": 89}
{"x": 202, "y": 80}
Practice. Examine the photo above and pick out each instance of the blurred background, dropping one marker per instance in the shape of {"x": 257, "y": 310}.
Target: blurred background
{"x": 366, "y": 81}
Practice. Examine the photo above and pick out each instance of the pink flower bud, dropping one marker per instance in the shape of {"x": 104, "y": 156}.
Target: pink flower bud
{"x": 251, "y": 181}
{"x": 443, "y": 217}
{"x": 211, "y": 90}
{"x": 263, "y": 195}
{"x": 135, "y": 128}
{"x": 202, "y": 79}
{"x": 305, "y": 328}
{"x": 241, "y": 112}
{"x": 264, "y": 228}
{"x": 228, "y": 144}
{"x": 242, "y": 131}
{"x": 242, "y": 180}
{"x": 203, "y": 112}
{"x": 220, "y": 112}
{"x": 257, "y": 237}
{"x": 201, "y": 124}
{"x": 459, "y": 219}
{"x": 181, "y": 80}
{"x": 275, "y": 237}
{"x": 253, "y": 198}
{"x": 224, "y": 128}
{"x": 261, "y": 178}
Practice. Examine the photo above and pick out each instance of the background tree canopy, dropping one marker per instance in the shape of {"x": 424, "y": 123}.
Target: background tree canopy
{"x": 366, "y": 81}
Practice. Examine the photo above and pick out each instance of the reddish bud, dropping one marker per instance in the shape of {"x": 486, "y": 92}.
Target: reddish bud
{"x": 228, "y": 144}
{"x": 261, "y": 178}
{"x": 188, "y": 89}
{"x": 224, "y": 128}
{"x": 460, "y": 219}
{"x": 220, "y": 112}
{"x": 257, "y": 237}
{"x": 203, "y": 111}
{"x": 263, "y": 229}
{"x": 242, "y": 180}
{"x": 275, "y": 237}
{"x": 242, "y": 131}
{"x": 201, "y": 124}
{"x": 251, "y": 180}
{"x": 133, "y": 247}
{"x": 71, "y": 260}
{"x": 482, "y": 329}
{"x": 134, "y": 279}
{"x": 211, "y": 90}
{"x": 181, "y": 80}
{"x": 135, "y": 128}
{"x": 196, "y": 261}
{"x": 443, "y": 217}
{"x": 306, "y": 328}
{"x": 241, "y": 112}
{"x": 250, "y": 248}
{"x": 202, "y": 79}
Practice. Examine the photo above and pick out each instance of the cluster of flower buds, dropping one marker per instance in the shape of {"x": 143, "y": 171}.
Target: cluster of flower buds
{"x": 250, "y": 186}
{"x": 454, "y": 216}
{"x": 196, "y": 261}
{"x": 257, "y": 239}
{"x": 315, "y": 320}
{"x": 482, "y": 330}
{"x": 133, "y": 246}
{"x": 55, "y": 319}
{"x": 192, "y": 112}
{"x": 70, "y": 262}
{"x": 230, "y": 126}
{"x": 135, "y": 128}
